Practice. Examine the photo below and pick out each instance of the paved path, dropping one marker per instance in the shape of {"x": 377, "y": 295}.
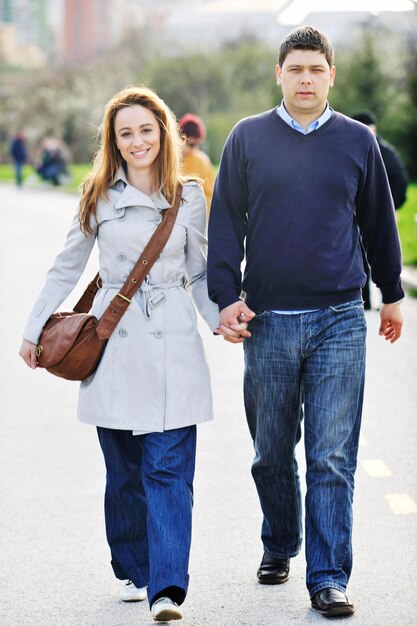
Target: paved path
{"x": 54, "y": 559}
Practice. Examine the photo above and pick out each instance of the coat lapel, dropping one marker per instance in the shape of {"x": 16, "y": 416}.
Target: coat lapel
{"x": 131, "y": 196}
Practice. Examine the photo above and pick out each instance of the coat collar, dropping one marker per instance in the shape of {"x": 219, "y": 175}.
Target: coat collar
{"x": 130, "y": 195}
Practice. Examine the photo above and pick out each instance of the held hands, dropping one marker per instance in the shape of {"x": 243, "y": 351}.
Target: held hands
{"x": 391, "y": 322}
{"x": 28, "y": 353}
{"x": 234, "y": 322}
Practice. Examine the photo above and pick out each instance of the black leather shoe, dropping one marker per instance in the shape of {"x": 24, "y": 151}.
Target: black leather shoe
{"x": 273, "y": 571}
{"x": 332, "y": 603}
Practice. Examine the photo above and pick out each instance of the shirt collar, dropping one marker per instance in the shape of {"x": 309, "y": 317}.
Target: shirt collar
{"x": 283, "y": 113}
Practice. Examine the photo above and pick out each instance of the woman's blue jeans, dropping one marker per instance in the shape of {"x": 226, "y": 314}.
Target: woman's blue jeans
{"x": 148, "y": 505}
{"x": 310, "y": 364}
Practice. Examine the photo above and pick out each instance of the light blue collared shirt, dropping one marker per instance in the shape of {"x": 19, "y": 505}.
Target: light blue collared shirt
{"x": 284, "y": 115}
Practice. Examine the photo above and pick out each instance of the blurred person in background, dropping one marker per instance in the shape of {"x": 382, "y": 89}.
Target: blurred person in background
{"x": 19, "y": 154}
{"x": 51, "y": 164}
{"x": 152, "y": 385}
{"x": 398, "y": 182}
{"x": 195, "y": 161}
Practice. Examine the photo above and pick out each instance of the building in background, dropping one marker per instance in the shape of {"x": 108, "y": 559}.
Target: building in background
{"x": 211, "y": 23}
{"x": 86, "y": 29}
{"x": 25, "y": 34}
{"x": 73, "y": 31}
{"x": 6, "y": 11}
{"x": 90, "y": 27}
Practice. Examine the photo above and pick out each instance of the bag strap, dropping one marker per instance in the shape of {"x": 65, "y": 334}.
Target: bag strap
{"x": 85, "y": 303}
{"x": 123, "y": 298}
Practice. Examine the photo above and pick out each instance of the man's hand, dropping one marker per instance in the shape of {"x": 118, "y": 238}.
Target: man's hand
{"x": 391, "y": 322}
{"x": 234, "y": 322}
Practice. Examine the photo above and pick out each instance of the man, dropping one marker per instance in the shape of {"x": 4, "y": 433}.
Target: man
{"x": 396, "y": 170}
{"x": 296, "y": 185}
{"x": 397, "y": 178}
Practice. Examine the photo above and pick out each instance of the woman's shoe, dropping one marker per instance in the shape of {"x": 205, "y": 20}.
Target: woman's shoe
{"x": 165, "y": 610}
{"x": 130, "y": 593}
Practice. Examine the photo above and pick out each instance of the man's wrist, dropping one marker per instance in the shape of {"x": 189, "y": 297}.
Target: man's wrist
{"x": 398, "y": 302}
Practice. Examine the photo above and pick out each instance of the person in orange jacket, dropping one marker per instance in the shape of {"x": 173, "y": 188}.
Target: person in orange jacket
{"x": 195, "y": 161}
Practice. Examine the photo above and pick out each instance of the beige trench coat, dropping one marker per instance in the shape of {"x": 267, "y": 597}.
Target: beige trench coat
{"x": 153, "y": 374}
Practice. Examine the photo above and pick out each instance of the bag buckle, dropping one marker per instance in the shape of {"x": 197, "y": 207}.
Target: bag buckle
{"x": 38, "y": 350}
{"x": 123, "y": 297}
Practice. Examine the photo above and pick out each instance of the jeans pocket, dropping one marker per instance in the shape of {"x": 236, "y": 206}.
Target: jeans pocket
{"x": 347, "y": 306}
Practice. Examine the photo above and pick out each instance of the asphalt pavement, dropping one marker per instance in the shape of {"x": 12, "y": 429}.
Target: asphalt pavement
{"x": 54, "y": 563}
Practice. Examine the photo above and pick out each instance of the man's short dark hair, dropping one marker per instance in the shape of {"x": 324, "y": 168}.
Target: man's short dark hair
{"x": 306, "y": 38}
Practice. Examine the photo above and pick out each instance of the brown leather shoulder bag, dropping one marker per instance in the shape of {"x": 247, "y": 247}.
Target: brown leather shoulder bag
{"x": 72, "y": 343}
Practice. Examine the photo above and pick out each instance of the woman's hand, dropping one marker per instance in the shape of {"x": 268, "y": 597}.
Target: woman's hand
{"x": 234, "y": 322}
{"x": 28, "y": 353}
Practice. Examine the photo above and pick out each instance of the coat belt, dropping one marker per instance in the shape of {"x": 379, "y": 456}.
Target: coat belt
{"x": 154, "y": 293}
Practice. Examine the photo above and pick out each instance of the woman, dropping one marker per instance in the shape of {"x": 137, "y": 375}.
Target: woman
{"x": 152, "y": 385}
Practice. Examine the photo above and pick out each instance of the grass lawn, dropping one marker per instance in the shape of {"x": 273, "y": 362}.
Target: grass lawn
{"x": 406, "y": 224}
{"x": 78, "y": 172}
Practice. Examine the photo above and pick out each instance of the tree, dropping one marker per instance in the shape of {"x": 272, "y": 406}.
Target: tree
{"x": 194, "y": 83}
{"x": 221, "y": 86}
{"x": 361, "y": 81}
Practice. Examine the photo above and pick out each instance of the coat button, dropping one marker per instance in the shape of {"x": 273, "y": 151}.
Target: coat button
{"x": 121, "y": 257}
{"x": 157, "y": 219}
{"x": 158, "y": 334}
{"x": 117, "y": 209}
{"x": 123, "y": 332}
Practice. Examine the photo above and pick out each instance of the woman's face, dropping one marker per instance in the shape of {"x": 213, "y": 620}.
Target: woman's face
{"x": 138, "y": 137}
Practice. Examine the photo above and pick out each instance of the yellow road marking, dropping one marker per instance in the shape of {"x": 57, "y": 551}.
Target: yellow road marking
{"x": 375, "y": 468}
{"x": 401, "y": 503}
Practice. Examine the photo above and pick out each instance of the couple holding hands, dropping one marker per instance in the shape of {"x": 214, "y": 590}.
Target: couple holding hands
{"x": 298, "y": 189}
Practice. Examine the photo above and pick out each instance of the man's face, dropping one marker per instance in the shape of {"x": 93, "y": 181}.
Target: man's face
{"x": 305, "y": 79}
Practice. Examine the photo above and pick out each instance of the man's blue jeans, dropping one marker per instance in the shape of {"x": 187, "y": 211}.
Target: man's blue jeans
{"x": 148, "y": 505}
{"x": 316, "y": 362}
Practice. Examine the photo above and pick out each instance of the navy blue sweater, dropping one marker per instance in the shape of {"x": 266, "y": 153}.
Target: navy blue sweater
{"x": 295, "y": 204}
